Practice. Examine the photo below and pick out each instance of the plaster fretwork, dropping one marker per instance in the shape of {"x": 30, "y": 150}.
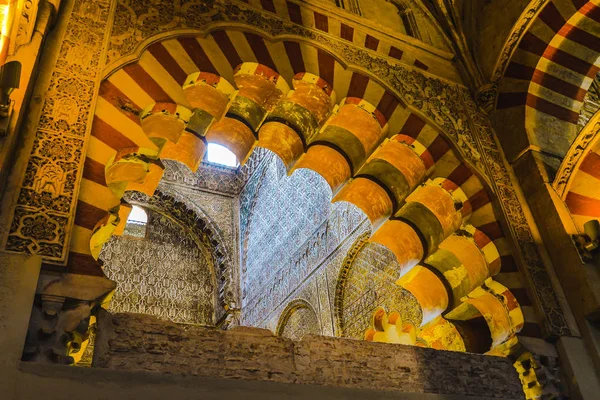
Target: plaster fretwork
{"x": 292, "y": 230}
{"x": 168, "y": 274}
{"x": 367, "y": 280}
{"x": 298, "y": 320}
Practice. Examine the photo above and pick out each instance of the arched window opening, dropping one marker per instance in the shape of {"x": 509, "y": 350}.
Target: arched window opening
{"x": 137, "y": 223}
{"x": 217, "y": 154}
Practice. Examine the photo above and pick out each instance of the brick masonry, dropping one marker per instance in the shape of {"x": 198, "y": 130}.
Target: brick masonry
{"x": 136, "y": 342}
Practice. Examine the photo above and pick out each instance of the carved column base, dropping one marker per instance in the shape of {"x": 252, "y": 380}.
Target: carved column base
{"x": 62, "y": 314}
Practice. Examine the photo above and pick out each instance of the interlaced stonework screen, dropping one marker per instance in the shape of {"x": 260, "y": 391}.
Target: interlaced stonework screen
{"x": 168, "y": 273}
{"x": 286, "y": 212}
{"x": 367, "y": 281}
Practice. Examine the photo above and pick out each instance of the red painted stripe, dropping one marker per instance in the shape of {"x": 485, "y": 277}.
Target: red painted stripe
{"x": 549, "y": 108}
{"x": 347, "y": 32}
{"x": 395, "y": 53}
{"x": 493, "y": 230}
{"x": 558, "y": 85}
{"x": 227, "y": 48}
{"x": 591, "y": 165}
{"x": 165, "y": 59}
{"x": 413, "y": 126}
{"x": 509, "y": 100}
{"x": 197, "y": 54}
{"x": 268, "y": 5}
{"x": 295, "y": 56}
{"x": 83, "y": 264}
{"x": 481, "y": 239}
{"x": 326, "y": 65}
{"x": 112, "y": 94}
{"x": 479, "y": 199}
{"x": 387, "y": 105}
{"x": 582, "y": 37}
{"x": 579, "y": 3}
{"x": 147, "y": 83}
{"x": 260, "y": 50}
{"x": 532, "y": 44}
{"x": 294, "y": 13}
{"x": 592, "y": 11}
{"x": 88, "y": 215}
{"x": 552, "y": 17}
{"x": 571, "y": 62}
{"x": 419, "y": 64}
{"x": 371, "y": 42}
{"x": 321, "y": 22}
{"x": 583, "y": 205}
{"x": 94, "y": 171}
{"x": 109, "y": 135}
{"x": 460, "y": 174}
{"x": 519, "y": 71}
{"x": 448, "y": 185}
{"x": 358, "y": 85}
{"x": 438, "y": 147}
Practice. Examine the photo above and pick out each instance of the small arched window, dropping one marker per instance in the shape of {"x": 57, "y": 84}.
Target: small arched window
{"x": 217, "y": 154}
{"x": 137, "y": 223}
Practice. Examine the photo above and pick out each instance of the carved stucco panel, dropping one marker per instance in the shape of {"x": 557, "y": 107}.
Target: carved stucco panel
{"x": 43, "y": 217}
{"x": 167, "y": 274}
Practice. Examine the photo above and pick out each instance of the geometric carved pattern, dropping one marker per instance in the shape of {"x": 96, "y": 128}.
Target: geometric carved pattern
{"x": 367, "y": 281}
{"x": 298, "y": 320}
{"x": 293, "y": 228}
{"x": 168, "y": 274}
{"x": 42, "y": 219}
{"x": 206, "y": 235}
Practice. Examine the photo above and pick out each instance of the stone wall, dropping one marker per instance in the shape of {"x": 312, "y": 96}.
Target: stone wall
{"x": 135, "y": 342}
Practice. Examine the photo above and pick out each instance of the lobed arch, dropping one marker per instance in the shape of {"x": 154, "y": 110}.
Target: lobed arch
{"x": 144, "y": 114}
{"x": 403, "y": 83}
{"x": 542, "y": 88}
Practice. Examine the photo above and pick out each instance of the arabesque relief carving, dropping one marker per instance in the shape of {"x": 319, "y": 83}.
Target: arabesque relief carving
{"x": 202, "y": 228}
{"x": 522, "y": 24}
{"x": 51, "y": 182}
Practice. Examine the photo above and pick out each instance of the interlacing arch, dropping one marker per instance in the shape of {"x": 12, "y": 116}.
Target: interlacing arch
{"x": 422, "y": 201}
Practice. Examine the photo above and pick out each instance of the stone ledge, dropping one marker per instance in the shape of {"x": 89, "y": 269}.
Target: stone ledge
{"x": 135, "y": 342}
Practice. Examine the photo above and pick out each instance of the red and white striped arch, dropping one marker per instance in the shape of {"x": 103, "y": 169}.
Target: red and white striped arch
{"x": 549, "y": 73}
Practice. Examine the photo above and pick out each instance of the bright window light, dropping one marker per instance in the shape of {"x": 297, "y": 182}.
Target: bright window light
{"x": 138, "y": 215}
{"x": 218, "y": 154}
{"x": 136, "y": 223}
